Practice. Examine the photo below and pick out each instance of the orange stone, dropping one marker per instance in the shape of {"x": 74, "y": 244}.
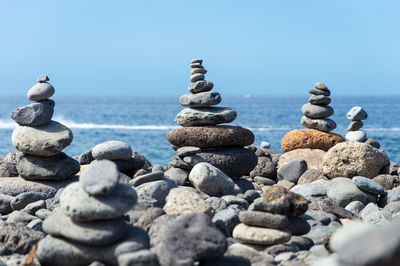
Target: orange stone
{"x": 311, "y": 139}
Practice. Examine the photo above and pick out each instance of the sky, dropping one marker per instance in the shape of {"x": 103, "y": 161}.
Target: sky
{"x": 248, "y": 47}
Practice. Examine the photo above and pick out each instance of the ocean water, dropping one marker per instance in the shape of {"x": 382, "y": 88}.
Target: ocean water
{"x": 144, "y": 121}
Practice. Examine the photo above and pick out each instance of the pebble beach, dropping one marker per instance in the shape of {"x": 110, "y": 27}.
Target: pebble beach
{"x": 322, "y": 197}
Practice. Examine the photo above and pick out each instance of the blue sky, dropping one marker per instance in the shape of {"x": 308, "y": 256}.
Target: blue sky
{"x": 256, "y": 47}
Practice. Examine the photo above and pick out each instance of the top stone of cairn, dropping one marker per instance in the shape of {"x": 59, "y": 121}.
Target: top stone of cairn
{"x": 42, "y": 90}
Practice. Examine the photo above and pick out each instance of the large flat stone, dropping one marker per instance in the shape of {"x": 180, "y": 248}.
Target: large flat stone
{"x": 309, "y": 139}
{"x": 259, "y": 235}
{"x": 205, "y": 116}
{"x": 34, "y": 114}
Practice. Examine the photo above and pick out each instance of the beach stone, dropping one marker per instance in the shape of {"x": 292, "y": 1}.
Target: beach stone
{"x": 310, "y": 176}
{"x": 157, "y": 190}
{"x": 211, "y": 136}
{"x": 187, "y": 151}
{"x": 350, "y": 159}
{"x": 19, "y": 202}
{"x": 357, "y": 113}
{"x": 35, "y": 225}
{"x": 391, "y": 169}
{"x": 43, "y": 213}
{"x": 259, "y": 235}
{"x": 200, "y": 86}
{"x": 100, "y": 178}
{"x": 264, "y": 181}
{"x": 217, "y": 203}
{"x": 57, "y": 167}
{"x": 368, "y": 185}
{"x": 229, "y": 218}
{"x": 234, "y": 162}
{"x": 319, "y": 100}
{"x": 355, "y": 125}
{"x": 8, "y": 169}
{"x": 343, "y": 191}
{"x": 316, "y": 111}
{"x": 373, "y": 143}
{"x": 310, "y": 191}
{"x": 355, "y": 206}
{"x": 178, "y": 175}
{"x": 320, "y": 92}
{"x": 198, "y": 239}
{"x": 112, "y": 150}
{"x": 389, "y": 196}
{"x": 196, "y": 77}
{"x": 246, "y": 251}
{"x": 20, "y": 217}
{"x": 329, "y": 206}
{"x": 205, "y": 116}
{"x": 18, "y": 239}
{"x": 61, "y": 252}
{"x": 286, "y": 184}
{"x": 32, "y": 207}
{"x": 263, "y": 219}
{"x": 309, "y": 138}
{"x": 5, "y": 204}
{"x": 178, "y": 162}
{"x": 184, "y": 200}
{"x": 265, "y": 168}
{"x": 235, "y": 200}
{"x": 202, "y": 99}
{"x": 41, "y": 91}
{"x": 35, "y": 114}
{"x": 139, "y": 258}
{"x": 387, "y": 181}
{"x": 210, "y": 180}
{"x": 94, "y": 208}
{"x": 280, "y": 200}
{"x": 313, "y": 157}
{"x": 86, "y": 157}
{"x": 298, "y": 226}
{"x": 42, "y": 78}
{"x": 192, "y": 160}
{"x": 391, "y": 210}
{"x": 320, "y": 86}
{"x": 146, "y": 178}
{"x": 291, "y": 171}
{"x": 102, "y": 232}
{"x": 322, "y": 124}
{"x": 347, "y": 233}
{"x": 46, "y": 140}
{"x": 148, "y": 216}
{"x": 358, "y": 135}
{"x": 198, "y": 70}
{"x": 320, "y": 234}
{"x": 200, "y": 61}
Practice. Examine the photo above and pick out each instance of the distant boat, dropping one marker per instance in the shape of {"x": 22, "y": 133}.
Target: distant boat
{"x": 247, "y": 96}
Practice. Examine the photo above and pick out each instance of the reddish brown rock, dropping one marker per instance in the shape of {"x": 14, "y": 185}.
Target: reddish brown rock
{"x": 211, "y": 136}
{"x": 311, "y": 139}
{"x": 313, "y": 157}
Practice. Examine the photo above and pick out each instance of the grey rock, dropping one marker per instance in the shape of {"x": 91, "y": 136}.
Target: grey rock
{"x": 320, "y": 216}
{"x": 192, "y": 160}
{"x": 157, "y": 190}
{"x": 112, "y": 150}
{"x": 264, "y": 181}
{"x": 32, "y": 207}
{"x": 376, "y": 218}
{"x": 228, "y": 261}
{"x": 389, "y": 196}
{"x": 217, "y": 203}
{"x": 76, "y": 203}
{"x": 42, "y": 78}
{"x": 391, "y": 210}
{"x": 298, "y": 226}
{"x": 196, "y": 77}
{"x": 158, "y": 223}
{"x": 355, "y": 206}
{"x": 86, "y": 157}
{"x": 157, "y": 168}
{"x": 310, "y": 191}
{"x": 303, "y": 243}
{"x": 373, "y": 143}
{"x": 368, "y": 185}
{"x": 57, "y": 167}
{"x": 196, "y": 65}
{"x": 150, "y": 177}
{"x": 178, "y": 162}
{"x": 205, "y": 116}
{"x": 281, "y": 248}
{"x": 178, "y": 175}
{"x": 320, "y": 92}
{"x": 41, "y": 91}
{"x": 319, "y": 100}
{"x": 319, "y": 251}
{"x": 20, "y": 217}
{"x": 18, "y": 239}
{"x": 200, "y": 86}
{"x": 146, "y": 219}
{"x": 35, "y": 114}
{"x": 8, "y": 169}
{"x": 23, "y": 199}
{"x": 210, "y": 180}
{"x": 330, "y": 206}
{"x": 43, "y": 213}
{"x": 198, "y": 239}
{"x": 249, "y": 252}
{"x": 320, "y": 233}
{"x": 35, "y": 225}
{"x": 265, "y": 145}
{"x": 316, "y": 111}
{"x": 320, "y": 86}
{"x": 139, "y": 258}
{"x": 358, "y": 135}
{"x": 5, "y": 204}
{"x": 323, "y": 124}
{"x": 347, "y": 234}
{"x": 263, "y": 219}
{"x": 100, "y": 178}
{"x": 231, "y": 200}
{"x": 102, "y": 232}
{"x": 130, "y": 166}
{"x": 198, "y": 70}
{"x": 292, "y": 170}
{"x": 200, "y": 61}
{"x": 228, "y": 217}
{"x": 202, "y": 99}
{"x": 187, "y": 150}
{"x": 355, "y": 125}
{"x": 357, "y": 113}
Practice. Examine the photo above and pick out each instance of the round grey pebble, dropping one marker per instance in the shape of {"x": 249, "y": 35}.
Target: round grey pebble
{"x": 41, "y": 91}
{"x": 291, "y": 171}
{"x": 112, "y": 150}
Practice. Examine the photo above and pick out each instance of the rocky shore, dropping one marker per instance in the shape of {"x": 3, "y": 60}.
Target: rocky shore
{"x": 327, "y": 200}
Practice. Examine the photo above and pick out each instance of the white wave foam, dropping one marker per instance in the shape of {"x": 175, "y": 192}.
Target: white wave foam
{"x": 7, "y": 124}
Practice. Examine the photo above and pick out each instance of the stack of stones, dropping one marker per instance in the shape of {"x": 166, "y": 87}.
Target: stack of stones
{"x": 41, "y": 140}
{"x": 89, "y": 225}
{"x": 272, "y": 219}
{"x": 221, "y": 146}
{"x": 317, "y": 110}
{"x": 356, "y": 115}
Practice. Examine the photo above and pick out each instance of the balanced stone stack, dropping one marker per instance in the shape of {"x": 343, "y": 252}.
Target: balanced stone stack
{"x": 356, "y": 115}
{"x": 221, "y": 146}
{"x": 89, "y": 225}
{"x": 41, "y": 140}
{"x": 317, "y": 110}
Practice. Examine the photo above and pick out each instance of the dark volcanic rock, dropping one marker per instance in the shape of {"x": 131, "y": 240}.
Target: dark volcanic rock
{"x": 17, "y": 238}
{"x": 34, "y": 114}
{"x": 265, "y": 168}
{"x": 8, "y": 169}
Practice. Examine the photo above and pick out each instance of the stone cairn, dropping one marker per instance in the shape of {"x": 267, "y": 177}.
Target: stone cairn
{"x": 317, "y": 110}
{"x": 41, "y": 140}
{"x": 356, "y": 115}
{"x": 89, "y": 225}
{"x": 201, "y": 139}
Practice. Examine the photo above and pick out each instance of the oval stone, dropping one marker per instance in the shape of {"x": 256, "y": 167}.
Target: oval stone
{"x": 40, "y": 91}
{"x": 316, "y": 111}
{"x": 196, "y": 77}
{"x": 200, "y": 86}
{"x": 320, "y": 92}
{"x": 259, "y": 235}
{"x": 203, "y": 99}
{"x": 309, "y": 138}
{"x": 35, "y": 114}
{"x": 205, "y": 116}
{"x": 358, "y": 135}
{"x": 322, "y": 124}
{"x": 319, "y": 100}
{"x": 45, "y": 141}
{"x": 112, "y": 150}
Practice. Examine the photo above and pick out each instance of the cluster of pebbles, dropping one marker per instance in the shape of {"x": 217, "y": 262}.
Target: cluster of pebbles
{"x": 356, "y": 115}
{"x": 317, "y": 110}
{"x": 41, "y": 140}
{"x": 205, "y": 140}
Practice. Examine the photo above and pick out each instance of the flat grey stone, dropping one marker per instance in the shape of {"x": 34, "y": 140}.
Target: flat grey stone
{"x": 100, "y": 178}
{"x": 41, "y": 91}
{"x": 316, "y": 111}
{"x": 102, "y": 232}
{"x": 202, "y": 99}
{"x": 112, "y": 150}
{"x": 263, "y": 219}
{"x": 323, "y": 124}
{"x": 355, "y": 206}
{"x": 217, "y": 203}
{"x": 187, "y": 150}
{"x": 374, "y": 143}
{"x": 146, "y": 178}
{"x": 368, "y": 185}
{"x": 358, "y": 135}
{"x": 232, "y": 200}
{"x": 319, "y": 100}
{"x": 178, "y": 175}
{"x": 200, "y": 61}
{"x": 76, "y": 203}
{"x": 291, "y": 171}
{"x": 46, "y": 140}
{"x": 196, "y": 77}
{"x": 20, "y": 217}
{"x": 205, "y": 116}
{"x": 196, "y": 65}
{"x": 32, "y": 207}
{"x": 192, "y": 160}
{"x": 35, "y": 114}
{"x": 198, "y": 70}
{"x": 389, "y": 196}
{"x": 178, "y": 162}
{"x": 355, "y": 125}
{"x": 260, "y": 235}
{"x": 298, "y": 226}
{"x": 43, "y": 213}
{"x": 200, "y": 86}
{"x": 264, "y": 181}
{"x": 42, "y": 78}
{"x": 320, "y": 92}
{"x": 310, "y": 191}
{"x": 157, "y": 190}
{"x": 139, "y": 258}
{"x": 357, "y": 113}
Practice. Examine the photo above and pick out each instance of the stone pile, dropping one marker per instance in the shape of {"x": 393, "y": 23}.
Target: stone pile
{"x": 41, "y": 140}
{"x": 90, "y": 225}
{"x": 317, "y": 110}
{"x": 356, "y": 115}
{"x": 221, "y": 146}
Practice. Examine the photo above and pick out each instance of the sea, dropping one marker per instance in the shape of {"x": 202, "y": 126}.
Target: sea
{"x": 144, "y": 121}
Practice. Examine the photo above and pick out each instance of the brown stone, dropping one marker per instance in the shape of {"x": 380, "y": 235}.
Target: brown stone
{"x": 309, "y": 176}
{"x": 311, "y": 139}
{"x": 184, "y": 200}
{"x": 387, "y": 181}
{"x": 211, "y": 136}
{"x": 313, "y": 157}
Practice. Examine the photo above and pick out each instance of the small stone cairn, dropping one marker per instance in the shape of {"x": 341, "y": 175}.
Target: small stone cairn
{"x": 201, "y": 139}
{"x": 41, "y": 140}
{"x": 317, "y": 110}
{"x": 89, "y": 225}
{"x": 356, "y": 115}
